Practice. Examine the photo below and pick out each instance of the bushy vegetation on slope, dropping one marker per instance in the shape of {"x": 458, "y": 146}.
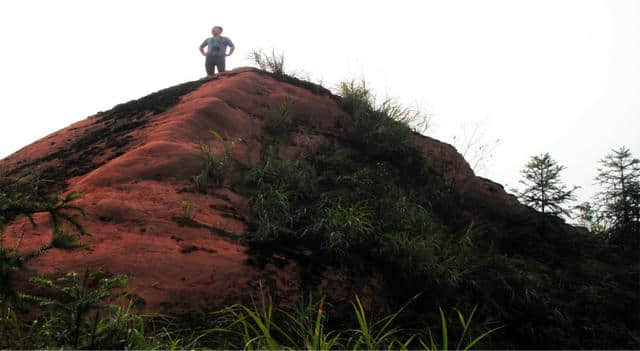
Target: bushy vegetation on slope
{"x": 92, "y": 311}
{"x": 371, "y": 196}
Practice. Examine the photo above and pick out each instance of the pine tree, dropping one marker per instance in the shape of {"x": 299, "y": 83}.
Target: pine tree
{"x": 619, "y": 201}
{"x": 544, "y": 189}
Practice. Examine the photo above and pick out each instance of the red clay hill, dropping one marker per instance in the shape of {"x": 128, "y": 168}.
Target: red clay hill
{"x": 132, "y": 165}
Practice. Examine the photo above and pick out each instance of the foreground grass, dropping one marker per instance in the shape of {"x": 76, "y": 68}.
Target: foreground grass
{"x": 77, "y": 316}
{"x": 261, "y": 326}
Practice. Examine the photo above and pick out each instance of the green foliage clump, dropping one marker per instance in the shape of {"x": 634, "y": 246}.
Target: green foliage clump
{"x": 74, "y": 304}
{"x": 82, "y": 312}
{"x": 343, "y": 226}
{"x": 381, "y": 130}
{"x": 215, "y": 166}
{"x": 340, "y": 204}
{"x": 62, "y": 239}
{"x": 279, "y": 188}
{"x": 280, "y": 121}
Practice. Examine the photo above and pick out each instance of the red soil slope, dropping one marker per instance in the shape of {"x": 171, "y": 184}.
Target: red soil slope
{"x": 132, "y": 183}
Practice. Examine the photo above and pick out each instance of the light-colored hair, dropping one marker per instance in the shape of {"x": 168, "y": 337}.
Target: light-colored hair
{"x": 214, "y": 27}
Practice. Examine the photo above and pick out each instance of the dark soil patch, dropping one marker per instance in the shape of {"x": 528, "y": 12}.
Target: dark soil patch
{"x": 188, "y": 222}
{"x": 108, "y": 135}
{"x": 228, "y": 212}
{"x": 192, "y": 248}
{"x": 226, "y": 234}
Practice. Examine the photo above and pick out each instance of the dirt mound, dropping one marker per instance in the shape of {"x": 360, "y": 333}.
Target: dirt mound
{"x": 183, "y": 249}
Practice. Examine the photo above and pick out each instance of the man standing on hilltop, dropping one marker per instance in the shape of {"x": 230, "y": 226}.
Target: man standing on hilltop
{"x": 216, "y": 51}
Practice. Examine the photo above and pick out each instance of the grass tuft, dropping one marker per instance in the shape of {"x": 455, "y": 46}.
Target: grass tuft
{"x": 273, "y": 62}
{"x": 215, "y": 165}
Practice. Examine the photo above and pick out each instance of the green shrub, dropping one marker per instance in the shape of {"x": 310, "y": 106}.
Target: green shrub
{"x": 280, "y": 121}
{"x": 122, "y": 328}
{"x": 62, "y": 239}
{"x": 78, "y": 313}
{"x": 74, "y": 306}
{"x": 335, "y": 201}
{"x": 356, "y": 97}
{"x": 274, "y": 209}
{"x": 341, "y": 226}
{"x": 278, "y": 188}
{"x": 215, "y": 166}
{"x": 399, "y": 212}
{"x": 381, "y": 131}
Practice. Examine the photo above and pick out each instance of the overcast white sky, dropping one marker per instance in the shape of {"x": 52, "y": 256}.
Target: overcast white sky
{"x": 561, "y": 76}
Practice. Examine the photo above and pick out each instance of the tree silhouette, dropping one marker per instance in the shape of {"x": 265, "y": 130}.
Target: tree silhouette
{"x": 544, "y": 190}
{"x": 619, "y": 175}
